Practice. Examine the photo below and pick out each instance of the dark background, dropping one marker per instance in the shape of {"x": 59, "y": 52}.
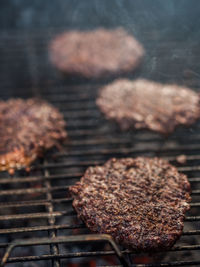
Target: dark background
{"x": 169, "y": 31}
{"x": 180, "y": 16}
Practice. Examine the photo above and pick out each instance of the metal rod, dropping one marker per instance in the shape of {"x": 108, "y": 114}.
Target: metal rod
{"x": 51, "y": 219}
{"x": 66, "y": 239}
{"x": 90, "y": 138}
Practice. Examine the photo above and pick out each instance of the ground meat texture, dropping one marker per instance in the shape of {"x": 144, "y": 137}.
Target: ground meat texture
{"x": 147, "y": 104}
{"x": 141, "y": 202}
{"x": 95, "y": 54}
{"x": 27, "y": 128}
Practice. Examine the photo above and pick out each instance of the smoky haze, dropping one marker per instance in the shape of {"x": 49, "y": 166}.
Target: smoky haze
{"x": 167, "y": 16}
{"x": 168, "y": 30}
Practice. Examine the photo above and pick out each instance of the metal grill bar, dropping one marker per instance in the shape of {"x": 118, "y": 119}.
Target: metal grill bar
{"x": 98, "y": 162}
{"x": 125, "y": 141}
{"x": 167, "y": 264}
{"x": 126, "y": 151}
{"x": 45, "y": 228}
{"x": 174, "y": 263}
{"x": 34, "y": 215}
{"x": 66, "y": 226}
{"x": 89, "y": 143}
{"x": 102, "y": 131}
{"x": 44, "y": 203}
{"x": 38, "y": 178}
{"x": 58, "y": 177}
{"x": 175, "y": 248}
{"x": 55, "y": 188}
{"x": 69, "y": 239}
{"x": 59, "y": 214}
{"x": 33, "y": 203}
{"x": 95, "y": 254}
{"x": 31, "y": 190}
{"x": 51, "y": 220}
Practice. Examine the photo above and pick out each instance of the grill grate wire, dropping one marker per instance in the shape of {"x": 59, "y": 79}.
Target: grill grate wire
{"x": 37, "y": 205}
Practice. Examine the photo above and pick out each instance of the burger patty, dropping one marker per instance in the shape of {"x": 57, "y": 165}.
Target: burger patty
{"x": 141, "y": 202}
{"x": 97, "y": 53}
{"x": 147, "y": 104}
{"x": 27, "y": 128}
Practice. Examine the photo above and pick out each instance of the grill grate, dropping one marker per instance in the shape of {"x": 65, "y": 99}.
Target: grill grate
{"x": 37, "y": 222}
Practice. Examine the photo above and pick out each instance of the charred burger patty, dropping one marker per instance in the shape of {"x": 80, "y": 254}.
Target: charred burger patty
{"x": 27, "y": 128}
{"x": 147, "y": 104}
{"x": 141, "y": 202}
{"x": 97, "y": 53}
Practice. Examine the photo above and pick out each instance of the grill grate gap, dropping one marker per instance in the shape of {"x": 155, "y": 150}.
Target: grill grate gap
{"x": 38, "y": 204}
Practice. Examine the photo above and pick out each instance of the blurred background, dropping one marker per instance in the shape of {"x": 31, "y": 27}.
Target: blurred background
{"x": 169, "y": 31}
{"x": 168, "y": 17}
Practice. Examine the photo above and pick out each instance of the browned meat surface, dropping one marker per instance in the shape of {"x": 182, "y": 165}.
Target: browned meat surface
{"x": 96, "y": 53}
{"x": 27, "y": 128}
{"x": 182, "y": 159}
{"x": 141, "y": 202}
{"x": 147, "y": 104}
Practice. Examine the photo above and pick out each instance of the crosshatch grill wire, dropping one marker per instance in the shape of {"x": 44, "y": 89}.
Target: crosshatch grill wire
{"x": 92, "y": 140}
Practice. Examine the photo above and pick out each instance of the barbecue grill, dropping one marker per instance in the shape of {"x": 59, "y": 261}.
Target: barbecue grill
{"x": 38, "y": 226}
